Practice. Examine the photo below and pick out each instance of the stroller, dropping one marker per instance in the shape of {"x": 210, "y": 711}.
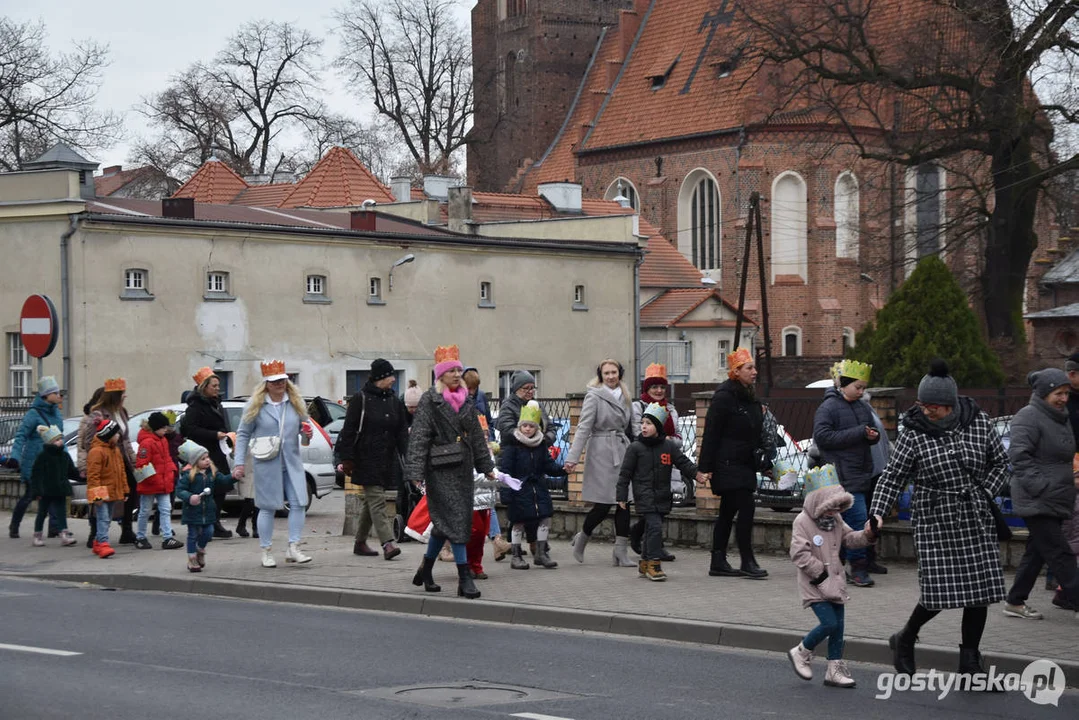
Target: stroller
{"x": 407, "y": 498}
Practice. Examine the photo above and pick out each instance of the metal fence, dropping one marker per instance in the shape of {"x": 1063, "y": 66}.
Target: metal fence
{"x": 557, "y": 410}
{"x": 15, "y": 404}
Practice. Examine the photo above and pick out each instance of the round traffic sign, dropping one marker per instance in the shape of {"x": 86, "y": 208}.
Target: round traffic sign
{"x": 38, "y": 326}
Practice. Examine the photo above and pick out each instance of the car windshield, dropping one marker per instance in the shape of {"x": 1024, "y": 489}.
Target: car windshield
{"x": 335, "y": 411}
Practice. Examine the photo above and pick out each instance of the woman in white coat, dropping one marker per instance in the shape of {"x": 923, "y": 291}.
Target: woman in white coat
{"x": 604, "y": 428}
{"x": 276, "y": 409}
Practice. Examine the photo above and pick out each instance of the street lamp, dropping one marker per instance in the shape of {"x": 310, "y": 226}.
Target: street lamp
{"x": 406, "y": 259}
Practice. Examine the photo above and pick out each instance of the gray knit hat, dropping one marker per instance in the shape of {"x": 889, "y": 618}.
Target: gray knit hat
{"x": 938, "y": 387}
{"x": 1072, "y": 363}
{"x": 519, "y": 379}
{"x": 1047, "y": 380}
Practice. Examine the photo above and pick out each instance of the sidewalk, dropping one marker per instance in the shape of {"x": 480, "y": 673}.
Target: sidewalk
{"x": 690, "y": 606}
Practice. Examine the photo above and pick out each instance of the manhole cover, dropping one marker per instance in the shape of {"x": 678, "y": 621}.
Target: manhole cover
{"x": 464, "y": 694}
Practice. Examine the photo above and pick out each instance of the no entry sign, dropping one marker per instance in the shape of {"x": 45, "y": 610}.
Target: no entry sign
{"x": 38, "y": 326}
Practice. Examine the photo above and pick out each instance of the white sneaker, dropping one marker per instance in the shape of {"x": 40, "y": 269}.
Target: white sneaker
{"x": 39, "y": 540}
{"x": 67, "y": 538}
{"x": 267, "y": 558}
{"x": 294, "y": 554}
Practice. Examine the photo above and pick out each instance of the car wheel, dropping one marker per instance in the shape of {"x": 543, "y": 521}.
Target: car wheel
{"x": 310, "y": 498}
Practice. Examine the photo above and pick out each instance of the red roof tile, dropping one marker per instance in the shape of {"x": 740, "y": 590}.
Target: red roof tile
{"x": 105, "y": 185}
{"x": 339, "y": 179}
{"x": 507, "y": 207}
{"x": 663, "y": 265}
{"x": 673, "y": 305}
{"x": 264, "y": 195}
{"x": 214, "y": 182}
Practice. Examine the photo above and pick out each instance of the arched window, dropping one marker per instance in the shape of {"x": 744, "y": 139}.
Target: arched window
{"x": 846, "y": 216}
{"x": 625, "y": 188}
{"x": 792, "y": 341}
{"x": 848, "y": 340}
{"x": 789, "y": 252}
{"x": 699, "y": 220}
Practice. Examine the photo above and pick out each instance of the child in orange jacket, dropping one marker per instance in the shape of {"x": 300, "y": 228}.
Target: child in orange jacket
{"x": 106, "y": 481}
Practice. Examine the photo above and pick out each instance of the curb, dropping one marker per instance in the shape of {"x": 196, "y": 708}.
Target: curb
{"x": 745, "y": 637}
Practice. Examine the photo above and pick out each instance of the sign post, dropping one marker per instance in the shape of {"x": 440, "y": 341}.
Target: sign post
{"x": 38, "y": 328}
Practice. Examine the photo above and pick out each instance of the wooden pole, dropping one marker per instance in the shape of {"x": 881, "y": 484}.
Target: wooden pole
{"x": 755, "y": 206}
{"x": 745, "y": 273}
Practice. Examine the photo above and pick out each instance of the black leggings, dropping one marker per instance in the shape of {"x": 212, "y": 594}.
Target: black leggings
{"x": 599, "y": 512}
{"x": 973, "y": 623}
{"x": 740, "y": 503}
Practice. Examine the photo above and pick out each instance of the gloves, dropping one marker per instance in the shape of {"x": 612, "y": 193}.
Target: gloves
{"x": 820, "y": 578}
{"x": 12, "y": 463}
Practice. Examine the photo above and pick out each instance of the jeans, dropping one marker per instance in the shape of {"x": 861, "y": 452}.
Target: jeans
{"x": 24, "y": 503}
{"x": 373, "y": 513}
{"x": 103, "y": 511}
{"x": 434, "y": 546}
{"x": 1046, "y": 545}
{"x": 481, "y": 524}
{"x": 56, "y": 509}
{"x": 496, "y": 528}
{"x": 653, "y": 536}
{"x": 164, "y": 511}
{"x": 198, "y": 536}
{"x": 855, "y": 516}
{"x": 296, "y": 516}
{"x": 831, "y": 626}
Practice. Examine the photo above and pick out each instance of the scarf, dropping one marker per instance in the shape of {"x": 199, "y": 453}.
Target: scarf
{"x": 615, "y": 391}
{"x": 456, "y": 398}
{"x": 668, "y": 426}
{"x": 531, "y": 442}
{"x": 826, "y": 522}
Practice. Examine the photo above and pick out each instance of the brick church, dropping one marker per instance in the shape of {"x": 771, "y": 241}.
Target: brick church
{"x": 649, "y": 101}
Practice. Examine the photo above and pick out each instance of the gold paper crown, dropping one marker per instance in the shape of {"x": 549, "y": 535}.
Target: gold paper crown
{"x": 655, "y": 370}
{"x": 444, "y": 353}
{"x": 202, "y": 374}
{"x": 115, "y": 384}
{"x": 833, "y": 372}
{"x": 272, "y": 367}
{"x": 739, "y": 357}
{"x": 855, "y": 369}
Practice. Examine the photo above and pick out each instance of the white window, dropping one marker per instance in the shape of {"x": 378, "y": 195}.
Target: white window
{"x": 724, "y": 350}
{"x": 374, "y": 289}
{"x": 217, "y": 282}
{"x": 135, "y": 279}
{"x": 20, "y": 373}
{"x": 316, "y": 284}
{"x": 623, "y": 188}
{"x": 699, "y": 220}
{"x": 848, "y": 339}
{"x": 485, "y": 292}
{"x": 578, "y": 294}
{"x": 792, "y": 341}
{"x": 846, "y": 216}
{"x": 789, "y": 246}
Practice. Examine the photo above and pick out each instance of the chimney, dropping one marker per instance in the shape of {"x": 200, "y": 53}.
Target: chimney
{"x": 112, "y": 170}
{"x": 459, "y": 209}
{"x": 363, "y": 220}
{"x": 257, "y": 179}
{"x": 401, "y": 187}
{"x": 437, "y": 186}
{"x": 181, "y": 208}
{"x": 565, "y": 196}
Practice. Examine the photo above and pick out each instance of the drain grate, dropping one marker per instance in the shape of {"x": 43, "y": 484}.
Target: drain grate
{"x": 463, "y": 694}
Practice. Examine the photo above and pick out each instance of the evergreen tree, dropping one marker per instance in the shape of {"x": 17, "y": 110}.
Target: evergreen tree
{"x": 928, "y": 317}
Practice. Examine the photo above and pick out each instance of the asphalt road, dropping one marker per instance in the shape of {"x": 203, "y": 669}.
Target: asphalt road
{"x": 157, "y": 656}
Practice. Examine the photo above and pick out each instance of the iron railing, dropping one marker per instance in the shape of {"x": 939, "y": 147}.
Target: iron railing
{"x": 677, "y": 355}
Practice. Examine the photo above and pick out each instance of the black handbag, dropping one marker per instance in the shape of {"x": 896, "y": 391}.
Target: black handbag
{"x": 447, "y": 455}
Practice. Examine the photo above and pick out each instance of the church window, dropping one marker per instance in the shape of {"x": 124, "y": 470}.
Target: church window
{"x": 789, "y": 242}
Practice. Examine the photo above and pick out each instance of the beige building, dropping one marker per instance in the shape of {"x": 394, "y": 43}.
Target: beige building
{"x": 153, "y": 290}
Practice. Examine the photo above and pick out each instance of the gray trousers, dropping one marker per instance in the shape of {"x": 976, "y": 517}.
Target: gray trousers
{"x": 373, "y": 513}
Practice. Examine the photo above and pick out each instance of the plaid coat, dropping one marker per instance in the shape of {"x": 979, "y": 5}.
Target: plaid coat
{"x": 956, "y": 473}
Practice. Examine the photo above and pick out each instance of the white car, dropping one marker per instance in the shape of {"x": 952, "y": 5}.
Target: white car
{"x": 317, "y": 457}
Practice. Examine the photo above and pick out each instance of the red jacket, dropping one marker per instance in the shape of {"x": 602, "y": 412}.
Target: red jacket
{"x": 155, "y": 449}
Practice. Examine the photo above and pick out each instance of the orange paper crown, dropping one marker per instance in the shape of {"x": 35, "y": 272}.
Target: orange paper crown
{"x": 115, "y": 384}
{"x": 655, "y": 370}
{"x": 445, "y": 353}
{"x": 271, "y": 368}
{"x": 202, "y": 374}
{"x": 738, "y": 358}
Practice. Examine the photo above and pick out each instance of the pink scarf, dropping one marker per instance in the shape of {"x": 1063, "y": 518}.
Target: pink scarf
{"x": 456, "y": 398}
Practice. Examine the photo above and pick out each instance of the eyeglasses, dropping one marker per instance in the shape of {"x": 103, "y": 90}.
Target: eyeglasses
{"x": 276, "y": 382}
{"x": 528, "y": 388}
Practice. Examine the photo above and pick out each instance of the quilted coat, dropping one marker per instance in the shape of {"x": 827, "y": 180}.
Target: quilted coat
{"x": 375, "y": 448}
{"x": 202, "y": 420}
{"x": 193, "y": 484}
{"x": 815, "y": 551}
{"x": 603, "y": 430}
{"x": 52, "y": 470}
{"x": 1042, "y": 450}
{"x": 27, "y": 442}
{"x": 531, "y": 466}
{"x": 647, "y": 466}
{"x": 956, "y": 472}
{"x": 105, "y": 469}
{"x": 733, "y": 433}
{"x": 154, "y": 450}
{"x": 839, "y": 431}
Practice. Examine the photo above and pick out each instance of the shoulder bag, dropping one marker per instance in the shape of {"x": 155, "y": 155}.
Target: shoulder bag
{"x": 447, "y": 455}
{"x": 268, "y": 446}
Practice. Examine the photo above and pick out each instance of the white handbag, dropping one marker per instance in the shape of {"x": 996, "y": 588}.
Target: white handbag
{"x": 268, "y": 446}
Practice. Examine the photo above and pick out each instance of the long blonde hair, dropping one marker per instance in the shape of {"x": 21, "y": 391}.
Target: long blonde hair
{"x": 258, "y": 399}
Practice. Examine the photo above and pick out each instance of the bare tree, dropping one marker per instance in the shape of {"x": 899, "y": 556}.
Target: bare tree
{"x": 414, "y": 59}
{"x": 374, "y": 144}
{"x": 973, "y": 84}
{"x": 47, "y": 98}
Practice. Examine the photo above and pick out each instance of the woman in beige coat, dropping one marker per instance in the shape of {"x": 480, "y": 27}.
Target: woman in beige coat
{"x": 603, "y": 430}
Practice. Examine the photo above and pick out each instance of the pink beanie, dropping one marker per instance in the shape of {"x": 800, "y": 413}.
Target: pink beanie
{"x": 446, "y": 359}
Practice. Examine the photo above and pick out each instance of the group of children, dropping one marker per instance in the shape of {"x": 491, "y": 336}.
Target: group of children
{"x": 107, "y": 486}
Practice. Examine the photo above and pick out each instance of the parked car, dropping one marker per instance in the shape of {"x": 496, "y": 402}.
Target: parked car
{"x": 327, "y": 413}
{"x": 9, "y": 425}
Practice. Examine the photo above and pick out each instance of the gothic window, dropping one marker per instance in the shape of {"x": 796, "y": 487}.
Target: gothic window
{"x": 789, "y": 246}
{"x": 699, "y": 220}
{"x": 927, "y": 212}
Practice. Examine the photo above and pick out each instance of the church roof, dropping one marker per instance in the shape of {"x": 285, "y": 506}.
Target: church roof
{"x": 1065, "y": 271}
{"x": 339, "y": 179}
{"x": 215, "y": 182}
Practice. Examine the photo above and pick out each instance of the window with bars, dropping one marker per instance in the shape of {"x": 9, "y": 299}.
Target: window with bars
{"x": 20, "y": 373}
{"x": 704, "y": 209}
{"x": 217, "y": 282}
{"x": 316, "y": 284}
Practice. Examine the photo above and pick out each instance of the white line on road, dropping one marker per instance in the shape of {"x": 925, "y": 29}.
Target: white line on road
{"x": 40, "y": 651}
{"x": 537, "y": 716}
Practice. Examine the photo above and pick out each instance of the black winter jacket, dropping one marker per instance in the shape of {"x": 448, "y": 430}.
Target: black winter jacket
{"x": 202, "y": 421}
{"x": 839, "y": 432}
{"x": 531, "y": 466}
{"x": 375, "y": 448}
{"x": 647, "y": 464}
{"x": 733, "y": 433}
{"x": 509, "y": 412}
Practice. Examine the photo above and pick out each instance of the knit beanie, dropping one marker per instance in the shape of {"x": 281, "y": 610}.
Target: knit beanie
{"x": 47, "y": 386}
{"x": 107, "y": 428}
{"x": 413, "y": 394}
{"x": 519, "y": 379}
{"x": 381, "y": 369}
{"x": 531, "y": 413}
{"x": 1047, "y": 380}
{"x": 938, "y": 387}
{"x": 48, "y": 433}
{"x": 190, "y": 452}
{"x": 156, "y": 421}
{"x": 1072, "y": 363}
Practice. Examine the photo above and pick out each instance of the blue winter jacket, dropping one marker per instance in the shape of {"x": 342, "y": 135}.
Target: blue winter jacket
{"x": 839, "y": 432}
{"x": 28, "y": 443}
{"x": 531, "y": 466}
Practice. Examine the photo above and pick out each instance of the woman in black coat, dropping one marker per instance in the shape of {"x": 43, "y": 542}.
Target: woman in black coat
{"x": 205, "y": 422}
{"x": 732, "y": 450}
{"x": 371, "y": 443}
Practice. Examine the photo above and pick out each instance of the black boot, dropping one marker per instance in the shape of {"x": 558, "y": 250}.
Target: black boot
{"x": 241, "y": 524}
{"x": 221, "y": 532}
{"x": 542, "y": 558}
{"x": 93, "y": 529}
{"x": 752, "y": 570}
{"x": 720, "y": 567}
{"x": 465, "y": 587}
{"x": 127, "y": 535}
{"x": 155, "y": 527}
{"x": 902, "y": 645}
{"x": 970, "y": 661}
{"x": 423, "y": 575}
{"x": 636, "y": 536}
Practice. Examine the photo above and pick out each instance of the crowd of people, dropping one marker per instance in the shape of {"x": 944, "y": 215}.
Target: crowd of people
{"x": 437, "y": 447}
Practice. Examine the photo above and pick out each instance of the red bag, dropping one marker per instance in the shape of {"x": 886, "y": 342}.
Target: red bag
{"x": 419, "y": 522}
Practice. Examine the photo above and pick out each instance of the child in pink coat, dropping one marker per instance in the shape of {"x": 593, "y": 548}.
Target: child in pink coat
{"x": 816, "y": 539}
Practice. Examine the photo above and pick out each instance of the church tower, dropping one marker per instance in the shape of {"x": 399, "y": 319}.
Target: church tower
{"x": 528, "y": 59}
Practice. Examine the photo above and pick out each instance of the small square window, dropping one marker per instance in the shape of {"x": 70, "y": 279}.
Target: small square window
{"x": 374, "y": 291}
{"x": 217, "y": 282}
{"x": 134, "y": 280}
{"x": 316, "y": 284}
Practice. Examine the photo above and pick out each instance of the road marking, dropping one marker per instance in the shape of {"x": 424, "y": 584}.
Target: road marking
{"x": 40, "y": 651}
{"x": 537, "y": 716}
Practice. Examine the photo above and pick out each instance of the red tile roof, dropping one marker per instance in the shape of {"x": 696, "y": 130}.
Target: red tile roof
{"x": 105, "y": 185}
{"x": 339, "y": 179}
{"x": 214, "y": 182}
{"x": 507, "y": 207}
{"x": 669, "y": 308}
{"x": 264, "y": 195}
{"x": 663, "y": 265}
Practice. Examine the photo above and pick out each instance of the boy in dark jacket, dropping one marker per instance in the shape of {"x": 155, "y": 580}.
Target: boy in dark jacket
{"x": 647, "y": 464}
{"x": 49, "y": 485}
{"x": 195, "y": 488}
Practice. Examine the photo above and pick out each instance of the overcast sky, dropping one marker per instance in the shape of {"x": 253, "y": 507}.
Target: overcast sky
{"x": 150, "y": 41}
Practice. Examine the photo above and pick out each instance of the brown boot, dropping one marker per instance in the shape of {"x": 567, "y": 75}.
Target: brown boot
{"x": 654, "y": 571}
